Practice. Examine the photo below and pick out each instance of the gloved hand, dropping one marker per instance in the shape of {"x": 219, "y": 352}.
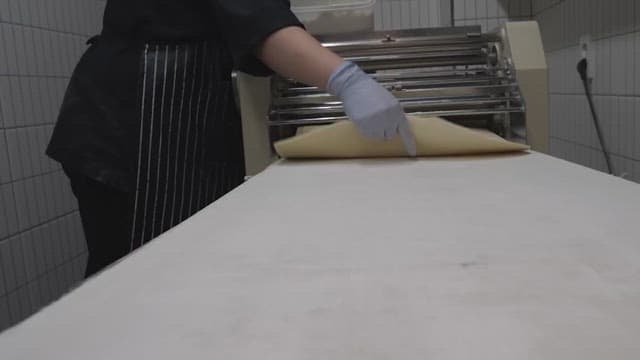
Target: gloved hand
{"x": 376, "y": 112}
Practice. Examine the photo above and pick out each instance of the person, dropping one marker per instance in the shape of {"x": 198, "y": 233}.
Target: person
{"x": 148, "y": 133}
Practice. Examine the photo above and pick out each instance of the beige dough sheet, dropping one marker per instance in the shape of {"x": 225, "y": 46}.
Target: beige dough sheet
{"x": 434, "y": 137}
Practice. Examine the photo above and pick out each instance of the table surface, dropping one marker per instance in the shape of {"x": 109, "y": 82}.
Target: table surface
{"x": 484, "y": 258}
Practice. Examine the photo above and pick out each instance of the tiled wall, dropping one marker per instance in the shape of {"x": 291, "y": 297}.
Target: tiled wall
{"x": 398, "y": 14}
{"x": 42, "y": 251}
{"x": 490, "y": 13}
{"x": 615, "y": 29}
{"x": 406, "y": 14}
{"x": 614, "y": 26}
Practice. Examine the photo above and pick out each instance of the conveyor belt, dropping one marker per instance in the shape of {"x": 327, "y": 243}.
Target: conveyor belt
{"x": 492, "y": 258}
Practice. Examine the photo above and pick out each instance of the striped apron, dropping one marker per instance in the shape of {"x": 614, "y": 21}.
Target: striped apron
{"x": 190, "y": 141}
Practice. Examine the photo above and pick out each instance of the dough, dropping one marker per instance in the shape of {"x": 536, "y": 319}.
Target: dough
{"x": 434, "y": 137}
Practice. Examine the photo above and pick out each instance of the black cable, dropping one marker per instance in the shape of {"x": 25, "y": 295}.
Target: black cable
{"x": 453, "y": 17}
{"x": 582, "y": 70}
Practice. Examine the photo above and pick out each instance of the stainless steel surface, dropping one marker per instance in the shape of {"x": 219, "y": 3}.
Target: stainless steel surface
{"x": 405, "y": 38}
{"x": 416, "y": 104}
{"x": 463, "y": 90}
{"x": 438, "y": 113}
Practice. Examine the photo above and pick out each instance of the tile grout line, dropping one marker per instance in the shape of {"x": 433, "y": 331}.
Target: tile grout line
{"x": 22, "y": 87}
{"x": 603, "y": 38}
{"x": 47, "y": 222}
{"x": 6, "y": 289}
{"x": 593, "y": 148}
{"x": 496, "y": 18}
{"x": 15, "y": 202}
{"x": 29, "y": 126}
{"x": 635, "y": 29}
{"x": 41, "y": 276}
{"x": 632, "y": 96}
{"x": 32, "y": 176}
{"x": 548, "y": 7}
{"x": 37, "y": 68}
{"x": 45, "y": 29}
{"x": 33, "y": 167}
{"x": 50, "y": 270}
{"x": 61, "y": 77}
{"x": 6, "y": 150}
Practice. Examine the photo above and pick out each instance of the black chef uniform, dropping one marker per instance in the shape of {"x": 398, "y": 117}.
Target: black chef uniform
{"x": 148, "y": 132}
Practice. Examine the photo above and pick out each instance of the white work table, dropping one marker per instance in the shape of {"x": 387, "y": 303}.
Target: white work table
{"x": 488, "y": 258}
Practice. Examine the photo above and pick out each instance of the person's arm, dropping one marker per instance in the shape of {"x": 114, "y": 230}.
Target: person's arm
{"x": 267, "y": 32}
{"x": 293, "y": 53}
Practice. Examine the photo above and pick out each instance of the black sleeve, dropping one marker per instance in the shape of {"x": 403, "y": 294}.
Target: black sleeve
{"x": 245, "y": 24}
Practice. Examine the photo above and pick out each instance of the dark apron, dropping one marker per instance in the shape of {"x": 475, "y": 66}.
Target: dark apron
{"x": 156, "y": 121}
{"x": 190, "y": 147}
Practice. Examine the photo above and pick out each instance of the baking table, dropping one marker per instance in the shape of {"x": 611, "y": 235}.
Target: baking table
{"x": 485, "y": 258}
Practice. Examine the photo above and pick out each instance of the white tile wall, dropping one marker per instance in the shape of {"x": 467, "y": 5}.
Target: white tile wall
{"x": 42, "y": 251}
{"x": 405, "y": 14}
{"x": 397, "y": 14}
{"x": 490, "y": 14}
{"x": 615, "y": 28}
{"x": 613, "y": 25}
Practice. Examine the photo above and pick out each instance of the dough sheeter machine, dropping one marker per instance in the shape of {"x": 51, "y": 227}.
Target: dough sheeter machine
{"x": 495, "y": 80}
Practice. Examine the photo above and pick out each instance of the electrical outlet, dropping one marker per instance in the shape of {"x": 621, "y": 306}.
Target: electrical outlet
{"x": 587, "y": 51}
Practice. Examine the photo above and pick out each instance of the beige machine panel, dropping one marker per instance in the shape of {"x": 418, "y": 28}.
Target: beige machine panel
{"x": 254, "y": 93}
{"x": 523, "y": 45}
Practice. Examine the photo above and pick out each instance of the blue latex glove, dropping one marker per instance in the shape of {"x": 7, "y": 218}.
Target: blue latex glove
{"x": 376, "y": 112}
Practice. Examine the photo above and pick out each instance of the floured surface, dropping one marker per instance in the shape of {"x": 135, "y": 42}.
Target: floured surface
{"x": 434, "y": 137}
{"x": 488, "y": 258}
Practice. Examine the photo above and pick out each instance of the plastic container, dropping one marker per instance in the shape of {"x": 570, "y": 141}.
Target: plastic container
{"x": 335, "y": 16}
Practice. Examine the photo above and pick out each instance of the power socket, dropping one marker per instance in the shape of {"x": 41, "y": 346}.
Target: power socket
{"x": 587, "y": 51}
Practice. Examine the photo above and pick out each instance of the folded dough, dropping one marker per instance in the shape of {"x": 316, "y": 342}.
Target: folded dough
{"x": 434, "y": 137}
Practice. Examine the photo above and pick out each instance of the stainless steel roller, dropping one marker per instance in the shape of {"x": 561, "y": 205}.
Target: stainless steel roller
{"x": 451, "y": 72}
